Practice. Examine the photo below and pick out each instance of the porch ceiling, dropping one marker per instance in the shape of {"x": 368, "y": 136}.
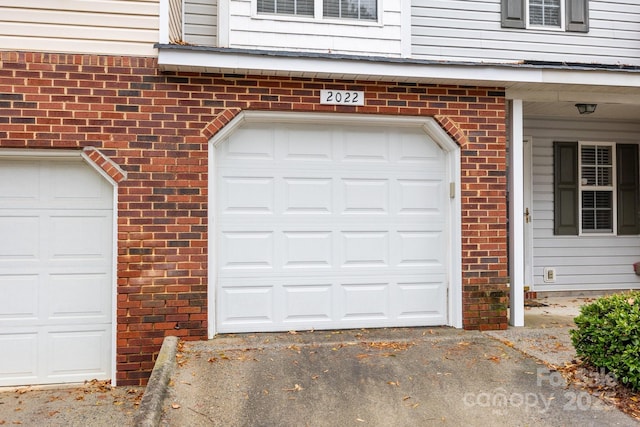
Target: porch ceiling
{"x": 615, "y": 103}
{"x": 604, "y": 111}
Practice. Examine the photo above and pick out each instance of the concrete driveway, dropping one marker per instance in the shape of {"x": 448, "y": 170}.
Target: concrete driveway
{"x": 383, "y": 377}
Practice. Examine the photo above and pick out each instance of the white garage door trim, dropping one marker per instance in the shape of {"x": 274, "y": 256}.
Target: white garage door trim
{"x": 35, "y": 154}
{"x": 431, "y": 129}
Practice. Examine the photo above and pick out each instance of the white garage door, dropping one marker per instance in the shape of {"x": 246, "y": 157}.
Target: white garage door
{"x": 330, "y": 226}
{"x": 55, "y": 272}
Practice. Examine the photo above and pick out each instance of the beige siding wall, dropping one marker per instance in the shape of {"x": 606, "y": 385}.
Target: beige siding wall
{"x": 127, "y": 27}
{"x": 201, "y": 22}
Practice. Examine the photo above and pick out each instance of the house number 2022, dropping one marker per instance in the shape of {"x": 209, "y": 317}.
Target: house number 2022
{"x": 341, "y": 97}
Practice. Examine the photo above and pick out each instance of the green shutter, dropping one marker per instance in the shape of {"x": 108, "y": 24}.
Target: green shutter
{"x": 512, "y": 14}
{"x": 627, "y": 188}
{"x": 565, "y": 188}
{"x": 578, "y": 16}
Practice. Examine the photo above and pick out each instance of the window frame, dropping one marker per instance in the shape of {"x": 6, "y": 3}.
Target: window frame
{"x": 318, "y": 12}
{"x": 567, "y": 188}
{"x": 574, "y": 16}
{"x": 561, "y": 15}
{"x": 582, "y": 188}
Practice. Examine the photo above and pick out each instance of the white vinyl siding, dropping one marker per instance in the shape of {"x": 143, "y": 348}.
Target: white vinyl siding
{"x": 250, "y": 30}
{"x": 80, "y": 26}
{"x": 581, "y": 262}
{"x": 201, "y": 22}
{"x": 471, "y": 30}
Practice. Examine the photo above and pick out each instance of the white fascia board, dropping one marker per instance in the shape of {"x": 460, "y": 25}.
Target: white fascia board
{"x": 630, "y": 97}
{"x": 270, "y": 63}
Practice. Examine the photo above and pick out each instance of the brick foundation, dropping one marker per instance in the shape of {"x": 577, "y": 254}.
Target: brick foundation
{"x": 155, "y": 128}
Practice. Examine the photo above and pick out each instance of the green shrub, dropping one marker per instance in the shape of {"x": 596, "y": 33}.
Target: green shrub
{"x": 608, "y": 336}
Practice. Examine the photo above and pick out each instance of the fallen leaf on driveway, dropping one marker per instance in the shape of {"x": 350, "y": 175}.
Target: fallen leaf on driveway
{"x": 296, "y": 387}
{"x": 495, "y": 359}
{"x": 175, "y": 406}
{"x": 395, "y": 346}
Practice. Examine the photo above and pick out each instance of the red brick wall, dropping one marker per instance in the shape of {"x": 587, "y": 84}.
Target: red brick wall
{"x": 155, "y": 126}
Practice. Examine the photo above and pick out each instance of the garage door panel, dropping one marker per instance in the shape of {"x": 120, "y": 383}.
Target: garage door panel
{"x": 422, "y": 300}
{"x": 419, "y": 197}
{"x": 245, "y": 305}
{"x": 19, "y": 300}
{"x": 79, "y": 237}
{"x": 365, "y": 301}
{"x": 18, "y": 184}
{"x": 308, "y": 303}
{"x": 90, "y": 351}
{"x": 21, "y": 237}
{"x": 365, "y": 196}
{"x": 253, "y": 144}
{"x": 247, "y": 195}
{"x": 307, "y": 249}
{"x": 365, "y": 249}
{"x": 19, "y": 355}
{"x": 365, "y": 146}
{"x": 72, "y": 185}
{"x": 308, "y": 196}
{"x": 79, "y": 298}
{"x": 305, "y": 144}
{"x": 414, "y": 148}
{"x": 420, "y": 248}
{"x": 247, "y": 250}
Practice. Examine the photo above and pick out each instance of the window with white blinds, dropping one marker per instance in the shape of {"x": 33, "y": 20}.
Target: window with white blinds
{"x": 545, "y": 13}
{"x": 286, "y": 7}
{"x": 597, "y": 188}
{"x": 351, "y": 9}
{"x": 364, "y": 10}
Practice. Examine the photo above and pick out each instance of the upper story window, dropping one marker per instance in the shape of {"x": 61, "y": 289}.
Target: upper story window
{"x": 545, "y": 13}
{"x": 286, "y": 7}
{"x": 364, "y": 10}
{"x": 351, "y": 9}
{"x": 568, "y": 15}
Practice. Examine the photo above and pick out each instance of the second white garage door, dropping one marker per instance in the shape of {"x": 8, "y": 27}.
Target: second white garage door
{"x": 56, "y": 234}
{"x": 323, "y": 226}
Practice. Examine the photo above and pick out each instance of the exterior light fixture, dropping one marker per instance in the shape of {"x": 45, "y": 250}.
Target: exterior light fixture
{"x": 586, "y": 108}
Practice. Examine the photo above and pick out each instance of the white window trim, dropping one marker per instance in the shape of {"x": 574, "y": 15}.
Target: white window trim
{"x": 612, "y": 188}
{"x": 317, "y": 18}
{"x": 546, "y": 27}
